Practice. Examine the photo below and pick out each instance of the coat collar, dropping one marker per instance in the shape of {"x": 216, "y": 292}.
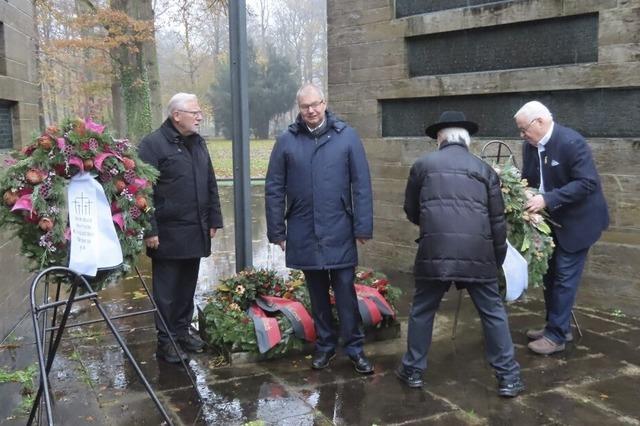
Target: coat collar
{"x": 299, "y": 126}
{"x": 447, "y": 144}
{"x": 171, "y": 133}
{"x": 552, "y": 144}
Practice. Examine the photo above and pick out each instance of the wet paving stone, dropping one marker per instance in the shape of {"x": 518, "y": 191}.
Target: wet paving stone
{"x": 454, "y": 418}
{"x": 137, "y": 409}
{"x": 599, "y": 324}
{"x": 621, "y": 394}
{"x": 258, "y": 397}
{"x": 572, "y": 372}
{"x": 612, "y": 315}
{"x": 631, "y": 337}
{"x": 481, "y": 398}
{"x": 380, "y": 399}
{"x": 570, "y": 411}
{"x": 108, "y": 366}
{"x": 609, "y": 345}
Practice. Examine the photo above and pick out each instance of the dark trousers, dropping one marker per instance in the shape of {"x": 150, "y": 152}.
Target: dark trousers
{"x": 174, "y": 285}
{"x": 560, "y": 288}
{"x": 341, "y": 281}
{"x": 486, "y": 298}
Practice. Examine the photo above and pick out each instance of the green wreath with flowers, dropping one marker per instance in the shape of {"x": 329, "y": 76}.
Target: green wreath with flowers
{"x": 229, "y": 327}
{"x": 528, "y": 232}
{"x": 34, "y": 185}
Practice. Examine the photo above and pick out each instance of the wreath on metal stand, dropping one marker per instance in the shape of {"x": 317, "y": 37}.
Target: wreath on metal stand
{"x": 34, "y": 189}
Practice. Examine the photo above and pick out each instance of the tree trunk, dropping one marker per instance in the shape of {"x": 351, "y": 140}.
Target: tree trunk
{"x": 119, "y": 117}
{"x": 134, "y": 80}
{"x": 87, "y": 72}
{"x": 262, "y": 128}
{"x": 150, "y": 55}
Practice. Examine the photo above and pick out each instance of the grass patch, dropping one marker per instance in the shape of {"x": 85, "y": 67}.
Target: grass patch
{"x": 18, "y": 376}
{"x": 222, "y": 157}
{"x": 25, "y": 378}
{"x": 617, "y": 313}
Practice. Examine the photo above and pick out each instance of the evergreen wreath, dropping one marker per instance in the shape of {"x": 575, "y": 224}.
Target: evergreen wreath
{"x": 34, "y": 187}
{"x": 529, "y": 233}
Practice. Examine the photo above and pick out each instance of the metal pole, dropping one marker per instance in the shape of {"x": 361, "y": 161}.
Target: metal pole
{"x": 240, "y": 132}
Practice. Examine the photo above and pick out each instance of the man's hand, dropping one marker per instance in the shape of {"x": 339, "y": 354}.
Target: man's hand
{"x": 535, "y": 204}
{"x": 152, "y": 242}
{"x": 362, "y": 240}
{"x": 282, "y": 244}
{"x": 212, "y": 232}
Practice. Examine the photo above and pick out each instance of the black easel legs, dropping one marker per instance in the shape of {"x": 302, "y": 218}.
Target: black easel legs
{"x": 39, "y": 318}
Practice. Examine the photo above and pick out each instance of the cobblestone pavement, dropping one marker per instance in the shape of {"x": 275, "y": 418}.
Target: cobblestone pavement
{"x": 595, "y": 381}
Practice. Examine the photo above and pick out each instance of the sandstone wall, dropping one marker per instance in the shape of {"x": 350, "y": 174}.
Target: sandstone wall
{"x": 19, "y": 94}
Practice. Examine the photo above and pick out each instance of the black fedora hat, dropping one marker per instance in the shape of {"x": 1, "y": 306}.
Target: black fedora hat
{"x": 451, "y": 119}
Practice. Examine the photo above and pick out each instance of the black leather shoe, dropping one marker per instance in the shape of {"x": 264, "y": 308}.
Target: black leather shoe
{"x": 412, "y": 378}
{"x": 321, "y": 359}
{"x": 510, "y": 388}
{"x": 361, "y": 364}
{"x": 191, "y": 343}
{"x": 167, "y": 353}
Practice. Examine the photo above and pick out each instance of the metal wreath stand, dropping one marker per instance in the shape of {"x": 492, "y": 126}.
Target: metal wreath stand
{"x": 39, "y": 317}
{"x": 499, "y": 157}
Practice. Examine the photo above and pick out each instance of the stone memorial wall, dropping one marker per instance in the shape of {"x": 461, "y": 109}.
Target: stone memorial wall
{"x": 19, "y": 115}
{"x": 393, "y": 66}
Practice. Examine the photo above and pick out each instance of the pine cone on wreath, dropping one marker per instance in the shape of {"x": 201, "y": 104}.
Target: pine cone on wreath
{"x": 135, "y": 212}
{"x": 45, "y": 189}
{"x": 129, "y": 176}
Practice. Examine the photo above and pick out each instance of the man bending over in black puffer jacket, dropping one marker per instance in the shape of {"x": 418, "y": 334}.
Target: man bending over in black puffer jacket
{"x": 455, "y": 199}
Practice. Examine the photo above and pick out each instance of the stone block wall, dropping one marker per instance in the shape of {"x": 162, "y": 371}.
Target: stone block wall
{"x": 394, "y": 65}
{"x": 19, "y": 118}
{"x": 18, "y": 80}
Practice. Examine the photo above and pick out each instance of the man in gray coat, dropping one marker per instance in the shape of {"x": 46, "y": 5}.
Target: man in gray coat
{"x": 455, "y": 199}
{"x": 187, "y": 215}
{"x": 318, "y": 204}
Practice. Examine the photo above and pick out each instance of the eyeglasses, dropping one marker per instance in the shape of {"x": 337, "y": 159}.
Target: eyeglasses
{"x": 526, "y": 128}
{"x": 193, "y": 113}
{"x": 313, "y": 106}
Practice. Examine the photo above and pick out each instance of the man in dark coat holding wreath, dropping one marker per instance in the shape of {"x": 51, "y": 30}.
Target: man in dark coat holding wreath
{"x": 318, "y": 204}
{"x": 187, "y": 215}
{"x": 455, "y": 199}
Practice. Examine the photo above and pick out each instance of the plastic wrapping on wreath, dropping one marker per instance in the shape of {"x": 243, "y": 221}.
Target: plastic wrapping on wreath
{"x": 516, "y": 273}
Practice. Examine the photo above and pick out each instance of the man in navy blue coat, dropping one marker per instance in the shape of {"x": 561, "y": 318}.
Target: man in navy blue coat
{"x": 558, "y": 162}
{"x": 318, "y": 202}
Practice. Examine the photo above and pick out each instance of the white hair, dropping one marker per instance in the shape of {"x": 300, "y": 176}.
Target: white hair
{"x": 532, "y": 110}
{"x": 178, "y": 101}
{"x": 454, "y": 134}
{"x": 310, "y": 86}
